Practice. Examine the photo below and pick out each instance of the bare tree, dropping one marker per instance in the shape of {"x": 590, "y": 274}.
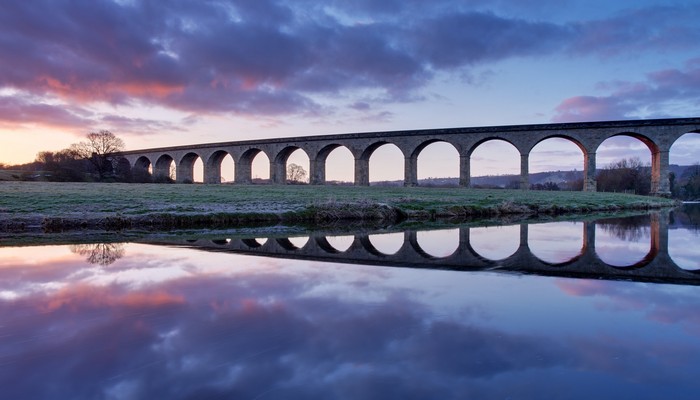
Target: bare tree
{"x": 296, "y": 173}
{"x": 102, "y": 254}
{"x": 99, "y": 149}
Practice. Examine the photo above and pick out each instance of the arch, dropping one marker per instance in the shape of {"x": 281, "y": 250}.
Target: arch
{"x": 281, "y": 172}
{"x": 570, "y": 164}
{"x": 142, "y": 170}
{"x": 186, "y": 168}
{"x": 165, "y": 169}
{"x": 334, "y": 165}
{"x": 684, "y": 183}
{"x": 436, "y": 158}
{"x": 439, "y": 243}
{"x": 500, "y": 169}
{"x": 215, "y": 168}
{"x": 246, "y": 172}
{"x": 557, "y": 243}
{"x": 393, "y": 170}
{"x": 626, "y": 165}
{"x": 495, "y": 243}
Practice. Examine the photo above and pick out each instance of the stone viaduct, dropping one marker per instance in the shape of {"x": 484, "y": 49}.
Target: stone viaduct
{"x": 657, "y": 134}
{"x": 656, "y": 266}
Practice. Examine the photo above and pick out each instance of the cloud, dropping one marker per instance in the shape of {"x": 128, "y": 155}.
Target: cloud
{"x": 29, "y": 110}
{"x": 659, "y": 92}
{"x": 271, "y": 58}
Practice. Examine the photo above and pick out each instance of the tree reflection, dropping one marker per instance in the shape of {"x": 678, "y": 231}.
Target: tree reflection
{"x": 102, "y": 254}
{"x": 629, "y": 229}
{"x": 687, "y": 216}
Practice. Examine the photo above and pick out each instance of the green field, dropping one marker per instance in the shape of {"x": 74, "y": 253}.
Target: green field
{"x": 32, "y": 202}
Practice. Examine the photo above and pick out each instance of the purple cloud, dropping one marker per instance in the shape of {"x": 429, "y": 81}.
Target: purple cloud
{"x": 272, "y": 57}
{"x": 630, "y": 99}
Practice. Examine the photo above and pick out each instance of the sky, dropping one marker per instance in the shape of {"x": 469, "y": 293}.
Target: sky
{"x": 162, "y": 73}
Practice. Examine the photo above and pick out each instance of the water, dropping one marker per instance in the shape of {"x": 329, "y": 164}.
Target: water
{"x": 568, "y": 310}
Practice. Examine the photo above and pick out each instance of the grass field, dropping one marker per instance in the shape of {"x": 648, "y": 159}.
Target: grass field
{"x": 34, "y": 201}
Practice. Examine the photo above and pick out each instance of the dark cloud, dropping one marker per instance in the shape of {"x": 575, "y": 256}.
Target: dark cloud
{"x": 271, "y": 57}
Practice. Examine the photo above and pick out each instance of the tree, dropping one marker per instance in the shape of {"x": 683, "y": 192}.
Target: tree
{"x": 99, "y": 149}
{"x": 296, "y": 173}
{"x": 626, "y": 175}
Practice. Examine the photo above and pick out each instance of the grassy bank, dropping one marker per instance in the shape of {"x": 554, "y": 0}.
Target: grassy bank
{"x": 58, "y": 206}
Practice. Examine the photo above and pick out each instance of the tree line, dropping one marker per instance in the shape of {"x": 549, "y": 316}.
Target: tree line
{"x": 93, "y": 160}
{"x": 90, "y": 160}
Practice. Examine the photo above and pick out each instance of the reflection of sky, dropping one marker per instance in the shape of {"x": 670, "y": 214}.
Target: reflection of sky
{"x": 222, "y": 325}
{"x": 340, "y": 243}
{"x": 684, "y": 248}
{"x": 495, "y": 242}
{"x": 621, "y": 252}
{"x": 178, "y": 323}
{"x": 439, "y": 243}
{"x": 387, "y": 243}
{"x": 555, "y": 242}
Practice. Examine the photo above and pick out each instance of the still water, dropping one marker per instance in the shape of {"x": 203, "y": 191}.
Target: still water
{"x": 556, "y": 310}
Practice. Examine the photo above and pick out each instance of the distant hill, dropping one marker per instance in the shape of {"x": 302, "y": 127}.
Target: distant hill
{"x": 558, "y": 177}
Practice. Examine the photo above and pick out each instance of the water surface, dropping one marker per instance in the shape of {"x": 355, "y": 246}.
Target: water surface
{"x": 481, "y": 312}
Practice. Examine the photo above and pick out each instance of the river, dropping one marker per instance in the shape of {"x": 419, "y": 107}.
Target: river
{"x": 603, "y": 308}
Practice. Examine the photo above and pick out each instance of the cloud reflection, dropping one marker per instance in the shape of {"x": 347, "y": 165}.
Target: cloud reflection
{"x": 244, "y": 327}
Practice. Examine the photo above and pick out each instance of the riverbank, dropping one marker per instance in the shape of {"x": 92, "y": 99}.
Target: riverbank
{"x": 53, "y": 207}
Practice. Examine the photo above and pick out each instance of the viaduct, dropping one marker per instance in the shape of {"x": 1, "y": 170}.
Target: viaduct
{"x": 657, "y": 134}
{"x": 656, "y": 266}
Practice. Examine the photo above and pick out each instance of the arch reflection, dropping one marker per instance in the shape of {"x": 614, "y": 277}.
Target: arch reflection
{"x": 495, "y": 242}
{"x": 635, "y": 248}
{"x": 557, "y": 243}
{"x": 624, "y": 242}
{"x": 439, "y": 243}
{"x": 387, "y": 243}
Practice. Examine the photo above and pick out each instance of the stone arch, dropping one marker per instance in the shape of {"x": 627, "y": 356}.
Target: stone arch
{"x": 604, "y": 183}
{"x": 413, "y": 166}
{"x": 185, "y": 168}
{"x": 684, "y": 150}
{"x": 362, "y": 163}
{"x": 143, "y": 163}
{"x": 320, "y": 172}
{"x": 522, "y": 162}
{"x": 212, "y": 168}
{"x": 279, "y": 172}
{"x": 162, "y": 170}
{"x": 244, "y": 167}
{"x": 142, "y": 170}
{"x": 584, "y": 162}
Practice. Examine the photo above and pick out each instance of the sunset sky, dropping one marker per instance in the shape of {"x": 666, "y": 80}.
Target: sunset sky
{"x": 160, "y": 73}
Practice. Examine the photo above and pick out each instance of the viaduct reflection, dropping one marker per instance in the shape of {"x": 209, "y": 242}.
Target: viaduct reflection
{"x": 656, "y": 266}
